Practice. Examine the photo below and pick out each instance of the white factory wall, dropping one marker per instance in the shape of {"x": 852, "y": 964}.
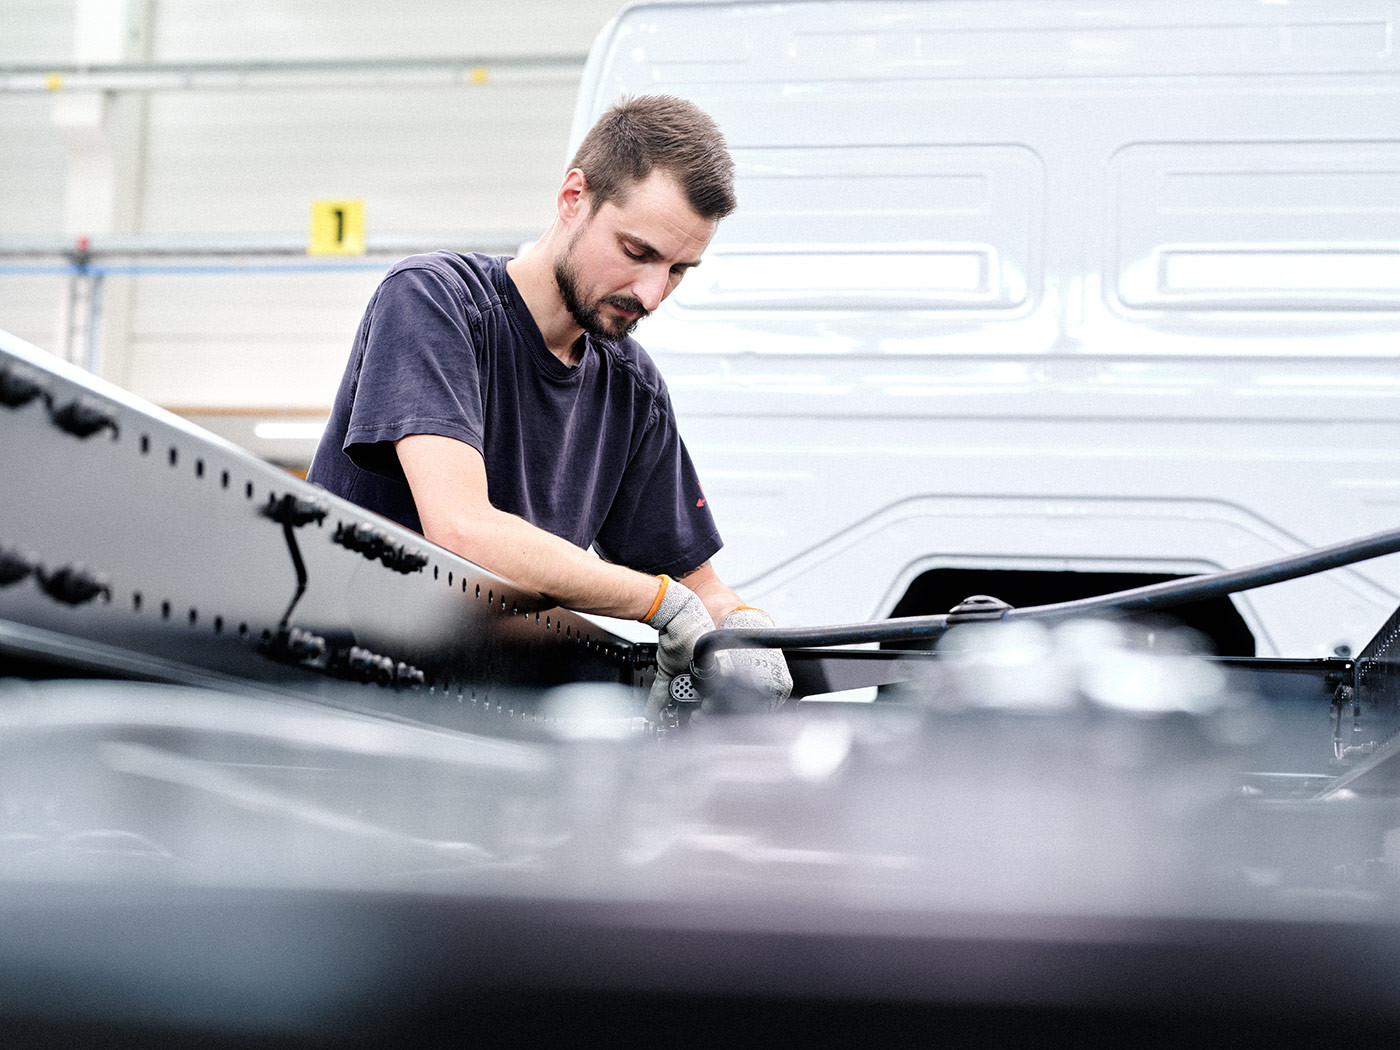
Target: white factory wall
{"x": 32, "y": 165}
{"x": 426, "y": 160}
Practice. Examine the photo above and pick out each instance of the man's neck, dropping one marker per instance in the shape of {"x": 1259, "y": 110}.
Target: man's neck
{"x": 534, "y": 278}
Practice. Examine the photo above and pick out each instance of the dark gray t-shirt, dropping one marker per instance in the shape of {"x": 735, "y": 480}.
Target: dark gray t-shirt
{"x": 590, "y": 453}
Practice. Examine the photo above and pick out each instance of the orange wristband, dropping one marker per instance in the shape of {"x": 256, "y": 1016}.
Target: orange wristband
{"x": 660, "y": 594}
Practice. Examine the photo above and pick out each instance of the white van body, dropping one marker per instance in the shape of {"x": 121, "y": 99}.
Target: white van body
{"x": 1035, "y": 285}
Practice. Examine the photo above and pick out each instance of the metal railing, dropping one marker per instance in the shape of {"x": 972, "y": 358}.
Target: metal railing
{"x": 86, "y": 263}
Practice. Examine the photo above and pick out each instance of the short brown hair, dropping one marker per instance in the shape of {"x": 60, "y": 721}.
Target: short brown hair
{"x": 638, "y": 135}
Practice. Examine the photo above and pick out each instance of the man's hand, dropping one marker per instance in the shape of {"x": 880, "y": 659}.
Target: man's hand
{"x": 680, "y": 619}
{"x": 760, "y": 677}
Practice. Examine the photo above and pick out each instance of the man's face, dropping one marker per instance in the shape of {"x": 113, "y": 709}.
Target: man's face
{"x": 625, "y": 257}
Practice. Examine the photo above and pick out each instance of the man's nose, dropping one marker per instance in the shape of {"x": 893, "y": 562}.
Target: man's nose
{"x": 650, "y": 286}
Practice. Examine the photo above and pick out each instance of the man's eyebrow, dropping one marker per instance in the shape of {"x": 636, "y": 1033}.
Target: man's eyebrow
{"x": 650, "y": 252}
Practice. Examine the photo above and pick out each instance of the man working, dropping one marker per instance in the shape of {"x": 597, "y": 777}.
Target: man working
{"x": 499, "y": 407}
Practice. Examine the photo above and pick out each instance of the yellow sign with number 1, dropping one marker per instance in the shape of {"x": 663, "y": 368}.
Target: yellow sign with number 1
{"x": 337, "y": 228}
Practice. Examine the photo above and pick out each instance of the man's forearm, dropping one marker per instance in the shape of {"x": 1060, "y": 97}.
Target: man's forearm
{"x": 531, "y": 557}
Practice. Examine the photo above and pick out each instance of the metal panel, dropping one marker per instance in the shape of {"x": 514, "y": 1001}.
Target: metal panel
{"x": 1378, "y": 672}
{"x": 124, "y": 528}
{"x": 871, "y": 228}
{"x": 1258, "y": 225}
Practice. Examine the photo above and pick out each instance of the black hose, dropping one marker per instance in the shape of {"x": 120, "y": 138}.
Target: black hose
{"x": 1200, "y": 588}
{"x": 1153, "y": 596}
{"x": 904, "y": 629}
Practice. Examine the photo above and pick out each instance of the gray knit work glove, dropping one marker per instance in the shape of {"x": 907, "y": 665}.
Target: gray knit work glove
{"x": 757, "y": 678}
{"x": 679, "y": 620}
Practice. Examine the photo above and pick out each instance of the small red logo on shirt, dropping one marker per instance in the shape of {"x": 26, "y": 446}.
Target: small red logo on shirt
{"x": 700, "y": 502}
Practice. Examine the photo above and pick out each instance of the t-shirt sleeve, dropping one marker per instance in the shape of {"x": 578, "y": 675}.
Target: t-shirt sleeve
{"x": 659, "y": 520}
{"x": 418, "y": 372}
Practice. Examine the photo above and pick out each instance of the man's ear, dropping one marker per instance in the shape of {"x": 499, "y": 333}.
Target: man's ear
{"x": 573, "y": 201}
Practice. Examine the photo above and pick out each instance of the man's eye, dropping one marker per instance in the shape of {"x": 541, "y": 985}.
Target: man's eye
{"x": 634, "y": 255}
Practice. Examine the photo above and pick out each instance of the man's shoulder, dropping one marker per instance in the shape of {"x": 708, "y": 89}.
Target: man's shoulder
{"x": 473, "y": 277}
{"x": 628, "y": 358}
